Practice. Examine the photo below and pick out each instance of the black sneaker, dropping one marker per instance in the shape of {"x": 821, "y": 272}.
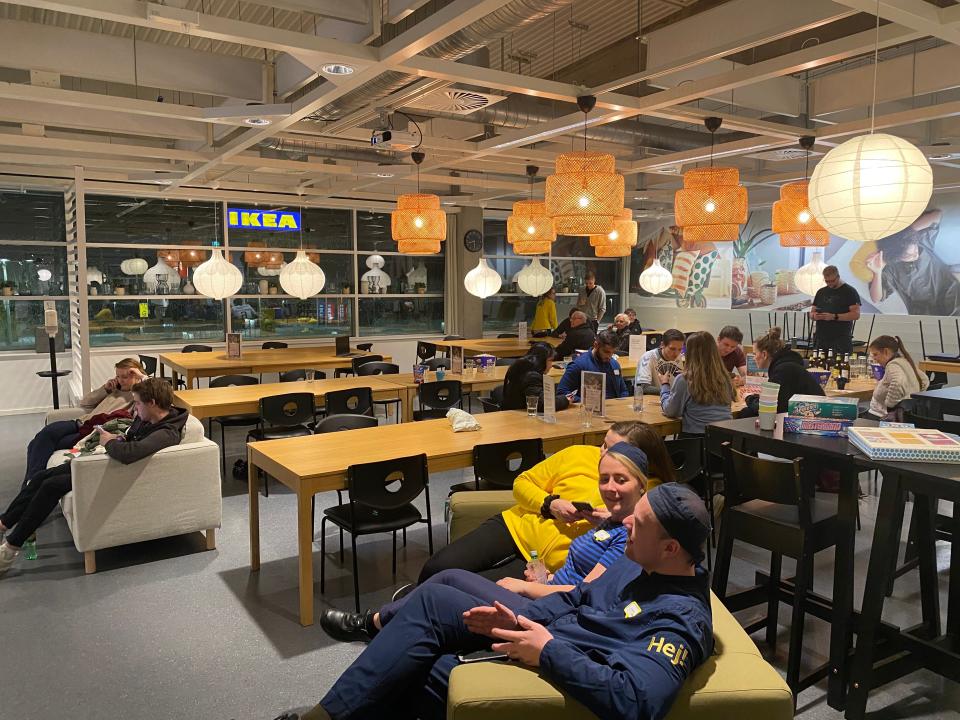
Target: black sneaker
{"x": 347, "y": 626}
{"x": 403, "y": 591}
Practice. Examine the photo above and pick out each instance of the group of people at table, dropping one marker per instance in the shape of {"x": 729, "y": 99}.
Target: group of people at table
{"x": 621, "y": 542}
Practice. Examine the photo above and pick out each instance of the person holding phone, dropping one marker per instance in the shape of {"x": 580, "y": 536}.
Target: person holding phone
{"x": 525, "y": 378}
{"x": 835, "y": 308}
{"x": 624, "y": 472}
{"x": 115, "y": 394}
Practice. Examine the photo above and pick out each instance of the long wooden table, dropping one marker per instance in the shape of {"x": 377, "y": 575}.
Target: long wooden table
{"x": 938, "y": 366}
{"x": 212, "y": 364}
{"x": 245, "y": 399}
{"x": 501, "y": 347}
{"x": 318, "y": 463}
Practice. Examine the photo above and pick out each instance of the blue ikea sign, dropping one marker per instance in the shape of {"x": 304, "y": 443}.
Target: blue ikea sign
{"x": 263, "y": 219}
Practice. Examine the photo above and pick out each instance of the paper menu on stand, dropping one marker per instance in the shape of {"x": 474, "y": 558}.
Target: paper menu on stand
{"x": 233, "y": 346}
{"x": 549, "y": 399}
{"x": 638, "y": 346}
{"x": 593, "y": 387}
{"x": 456, "y": 360}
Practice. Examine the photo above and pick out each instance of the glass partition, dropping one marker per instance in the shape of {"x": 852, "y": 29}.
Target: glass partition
{"x": 291, "y": 318}
{"x": 20, "y": 318}
{"x": 151, "y": 321}
{"x": 408, "y": 315}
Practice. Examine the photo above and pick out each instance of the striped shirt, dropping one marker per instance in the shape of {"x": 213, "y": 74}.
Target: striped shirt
{"x": 603, "y": 544}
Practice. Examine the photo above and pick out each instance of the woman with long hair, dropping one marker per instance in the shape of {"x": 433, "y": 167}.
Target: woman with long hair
{"x": 704, "y": 392}
{"x": 901, "y": 378}
{"x": 525, "y": 378}
{"x": 784, "y": 367}
{"x": 545, "y": 316}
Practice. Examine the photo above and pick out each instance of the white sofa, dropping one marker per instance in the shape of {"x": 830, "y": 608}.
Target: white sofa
{"x": 173, "y": 492}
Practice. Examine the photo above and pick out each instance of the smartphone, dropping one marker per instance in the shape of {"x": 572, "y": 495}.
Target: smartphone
{"x": 98, "y": 428}
{"x": 583, "y": 506}
{"x": 481, "y": 656}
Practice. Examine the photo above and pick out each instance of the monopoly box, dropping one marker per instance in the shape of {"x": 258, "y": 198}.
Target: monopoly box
{"x": 827, "y": 408}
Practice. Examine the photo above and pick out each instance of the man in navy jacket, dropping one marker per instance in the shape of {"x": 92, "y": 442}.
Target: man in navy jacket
{"x": 622, "y": 644}
{"x": 599, "y": 359}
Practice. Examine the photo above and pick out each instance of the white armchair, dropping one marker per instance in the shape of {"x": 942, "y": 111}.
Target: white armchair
{"x": 173, "y": 492}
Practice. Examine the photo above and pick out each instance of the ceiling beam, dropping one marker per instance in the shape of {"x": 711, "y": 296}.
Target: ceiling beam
{"x": 919, "y": 15}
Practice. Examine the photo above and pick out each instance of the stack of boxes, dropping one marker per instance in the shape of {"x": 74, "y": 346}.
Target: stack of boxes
{"x": 818, "y": 415}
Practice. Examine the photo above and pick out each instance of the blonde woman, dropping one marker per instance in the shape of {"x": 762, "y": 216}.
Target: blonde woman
{"x": 703, "y": 393}
{"x": 901, "y": 378}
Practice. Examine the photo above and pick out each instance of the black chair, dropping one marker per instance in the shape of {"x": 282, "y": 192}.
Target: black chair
{"x": 453, "y": 337}
{"x": 355, "y": 363}
{"x": 436, "y": 363}
{"x": 196, "y": 348}
{"x": 149, "y": 364}
{"x": 298, "y": 375}
{"x": 225, "y": 421}
{"x": 339, "y": 423}
{"x": 381, "y": 500}
{"x": 356, "y": 401}
{"x": 274, "y": 345}
{"x": 772, "y": 505}
{"x": 365, "y": 347}
{"x": 503, "y": 336}
{"x": 496, "y": 395}
{"x": 497, "y": 465}
{"x": 489, "y": 405}
{"x": 282, "y": 416}
{"x": 382, "y": 368}
{"x": 436, "y": 398}
{"x": 688, "y": 462}
{"x": 425, "y": 351}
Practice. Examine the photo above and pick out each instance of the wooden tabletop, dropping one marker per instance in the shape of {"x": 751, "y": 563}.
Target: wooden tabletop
{"x": 501, "y": 347}
{"x": 938, "y": 366}
{"x": 245, "y": 399}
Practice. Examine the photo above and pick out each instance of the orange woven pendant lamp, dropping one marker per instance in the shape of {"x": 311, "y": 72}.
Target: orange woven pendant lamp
{"x": 585, "y": 194}
{"x": 792, "y": 219}
{"x": 418, "y": 224}
{"x": 712, "y": 204}
{"x": 619, "y": 241}
{"x": 529, "y": 228}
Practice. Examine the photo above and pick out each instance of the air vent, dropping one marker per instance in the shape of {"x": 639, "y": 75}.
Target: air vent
{"x": 456, "y": 101}
{"x": 789, "y": 153}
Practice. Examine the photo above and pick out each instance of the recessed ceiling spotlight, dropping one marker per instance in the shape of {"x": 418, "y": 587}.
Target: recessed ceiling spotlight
{"x": 641, "y": 197}
{"x": 164, "y": 181}
{"x": 384, "y": 175}
{"x": 336, "y": 69}
{"x": 257, "y": 121}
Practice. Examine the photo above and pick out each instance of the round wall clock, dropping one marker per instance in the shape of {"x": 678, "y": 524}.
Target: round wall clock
{"x": 473, "y": 240}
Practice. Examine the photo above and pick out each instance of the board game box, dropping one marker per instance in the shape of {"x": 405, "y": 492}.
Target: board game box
{"x": 816, "y": 426}
{"x": 819, "y": 406}
{"x": 918, "y": 445}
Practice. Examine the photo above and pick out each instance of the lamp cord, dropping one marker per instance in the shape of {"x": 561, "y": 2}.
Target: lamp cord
{"x": 876, "y": 63}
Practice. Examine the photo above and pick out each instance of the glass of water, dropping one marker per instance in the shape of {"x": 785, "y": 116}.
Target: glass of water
{"x": 586, "y": 415}
{"x": 311, "y": 374}
{"x": 532, "y": 402}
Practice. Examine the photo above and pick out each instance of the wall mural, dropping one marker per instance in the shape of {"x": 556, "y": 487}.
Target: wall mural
{"x": 913, "y": 272}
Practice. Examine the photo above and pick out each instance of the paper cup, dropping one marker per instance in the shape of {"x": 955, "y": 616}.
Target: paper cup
{"x": 768, "y": 420}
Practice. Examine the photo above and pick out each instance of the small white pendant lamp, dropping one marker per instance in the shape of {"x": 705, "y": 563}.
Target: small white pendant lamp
{"x": 534, "y": 279}
{"x": 809, "y": 278}
{"x": 483, "y": 281}
{"x": 656, "y": 278}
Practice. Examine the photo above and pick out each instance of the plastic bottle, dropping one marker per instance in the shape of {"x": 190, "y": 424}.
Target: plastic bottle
{"x": 30, "y": 548}
{"x": 537, "y": 568}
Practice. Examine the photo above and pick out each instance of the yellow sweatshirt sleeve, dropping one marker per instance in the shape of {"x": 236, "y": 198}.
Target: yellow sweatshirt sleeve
{"x": 532, "y": 486}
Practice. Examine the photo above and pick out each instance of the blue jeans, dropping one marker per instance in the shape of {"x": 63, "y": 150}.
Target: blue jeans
{"x": 407, "y": 665}
{"x": 58, "y": 435}
{"x": 471, "y": 583}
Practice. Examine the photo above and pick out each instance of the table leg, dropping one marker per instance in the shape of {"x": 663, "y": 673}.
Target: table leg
{"x": 924, "y": 508}
{"x": 176, "y": 378}
{"x": 953, "y": 592}
{"x": 253, "y": 490}
{"x": 305, "y": 551}
{"x": 409, "y": 395}
{"x": 841, "y": 625}
{"x": 886, "y": 542}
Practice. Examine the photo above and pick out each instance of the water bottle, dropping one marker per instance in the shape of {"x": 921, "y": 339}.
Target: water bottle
{"x": 537, "y": 568}
{"x": 637, "y": 392}
{"x": 30, "y": 548}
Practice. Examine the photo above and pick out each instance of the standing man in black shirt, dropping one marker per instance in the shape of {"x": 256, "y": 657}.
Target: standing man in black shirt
{"x": 835, "y": 308}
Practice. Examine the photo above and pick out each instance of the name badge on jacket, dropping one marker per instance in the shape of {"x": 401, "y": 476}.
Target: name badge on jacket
{"x": 601, "y": 536}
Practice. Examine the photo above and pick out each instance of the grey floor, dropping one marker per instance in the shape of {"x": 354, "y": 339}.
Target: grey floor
{"x": 166, "y": 630}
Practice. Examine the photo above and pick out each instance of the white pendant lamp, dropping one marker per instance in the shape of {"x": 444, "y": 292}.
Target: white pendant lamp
{"x": 134, "y": 266}
{"x": 217, "y": 278}
{"x": 871, "y": 186}
{"x": 302, "y": 278}
{"x": 809, "y": 278}
{"x": 44, "y": 275}
{"x": 483, "y": 281}
{"x": 535, "y": 279}
{"x": 656, "y": 278}
{"x": 161, "y": 272}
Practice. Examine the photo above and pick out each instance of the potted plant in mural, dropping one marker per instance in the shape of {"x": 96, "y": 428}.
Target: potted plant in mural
{"x": 740, "y": 274}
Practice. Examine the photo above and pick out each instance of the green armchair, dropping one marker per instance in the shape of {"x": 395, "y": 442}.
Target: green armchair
{"x": 736, "y": 682}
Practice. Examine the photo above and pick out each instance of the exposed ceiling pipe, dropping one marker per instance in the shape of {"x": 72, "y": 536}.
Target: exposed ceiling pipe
{"x": 506, "y": 20}
{"x": 299, "y": 148}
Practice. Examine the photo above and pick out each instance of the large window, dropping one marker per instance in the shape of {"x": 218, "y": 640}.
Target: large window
{"x": 33, "y": 265}
{"x": 569, "y": 261}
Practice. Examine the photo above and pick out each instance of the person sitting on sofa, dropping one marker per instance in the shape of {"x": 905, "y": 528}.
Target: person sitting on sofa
{"x": 113, "y": 395}
{"x": 601, "y": 359}
{"x": 623, "y": 480}
{"x": 622, "y": 645}
{"x": 525, "y": 378}
{"x": 157, "y": 425}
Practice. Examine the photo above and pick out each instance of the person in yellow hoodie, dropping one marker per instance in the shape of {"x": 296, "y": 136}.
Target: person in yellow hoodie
{"x": 544, "y": 518}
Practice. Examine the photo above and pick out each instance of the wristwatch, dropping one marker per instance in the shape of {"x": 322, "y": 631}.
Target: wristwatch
{"x": 836, "y": 316}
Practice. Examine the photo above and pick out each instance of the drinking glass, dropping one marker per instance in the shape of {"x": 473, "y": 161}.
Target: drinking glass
{"x": 586, "y": 415}
{"x": 311, "y": 374}
{"x": 532, "y": 402}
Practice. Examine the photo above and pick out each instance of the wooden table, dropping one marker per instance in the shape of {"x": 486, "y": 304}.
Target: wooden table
{"x": 245, "y": 399}
{"x": 938, "y": 366}
{"x": 212, "y": 364}
{"x": 860, "y": 389}
{"x": 501, "y": 347}
{"x": 318, "y": 463}
{"x": 476, "y": 382}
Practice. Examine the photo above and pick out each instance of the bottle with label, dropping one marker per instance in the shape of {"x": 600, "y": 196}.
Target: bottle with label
{"x": 537, "y": 568}
{"x": 816, "y": 362}
{"x": 831, "y": 363}
{"x": 845, "y": 367}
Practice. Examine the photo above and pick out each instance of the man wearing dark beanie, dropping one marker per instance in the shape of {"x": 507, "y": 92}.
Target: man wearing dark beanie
{"x": 621, "y": 645}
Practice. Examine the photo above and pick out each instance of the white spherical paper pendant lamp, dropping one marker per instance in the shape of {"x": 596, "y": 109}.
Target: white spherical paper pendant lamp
{"x": 217, "y": 278}
{"x": 809, "y": 278}
{"x": 656, "y": 278}
{"x": 870, "y": 187}
{"x": 302, "y": 278}
{"x": 483, "y": 281}
{"x": 534, "y": 279}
